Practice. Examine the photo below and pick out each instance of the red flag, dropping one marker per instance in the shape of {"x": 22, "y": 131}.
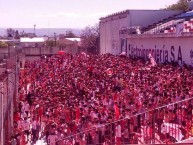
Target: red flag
{"x": 61, "y": 52}
{"x": 117, "y": 112}
{"x": 115, "y": 97}
{"x": 77, "y": 114}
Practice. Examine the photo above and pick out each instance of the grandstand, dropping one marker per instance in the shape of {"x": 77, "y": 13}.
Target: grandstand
{"x": 180, "y": 23}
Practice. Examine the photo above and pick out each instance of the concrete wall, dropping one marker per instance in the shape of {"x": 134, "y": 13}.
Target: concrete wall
{"x": 40, "y": 50}
{"x": 32, "y": 54}
{"x": 72, "y": 50}
{"x": 32, "y": 44}
{"x": 49, "y": 50}
{"x": 109, "y": 33}
{"x": 164, "y": 49}
{"x": 8, "y": 95}
{"x": 35, "y": 53}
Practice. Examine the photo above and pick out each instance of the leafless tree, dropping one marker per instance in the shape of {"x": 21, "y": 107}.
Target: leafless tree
{"x": 90, "y": 38}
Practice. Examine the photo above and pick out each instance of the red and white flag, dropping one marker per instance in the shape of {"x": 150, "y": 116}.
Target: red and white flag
{"x": 123, "y": 54}
{"x": 152, "y": 60}
{"x": 173, "y": 129}
{"x": 117, "y": 112}
{"x": 109, "y": 71}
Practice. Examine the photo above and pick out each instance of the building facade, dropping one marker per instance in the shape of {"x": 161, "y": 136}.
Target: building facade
{"x": 167, "y": 35}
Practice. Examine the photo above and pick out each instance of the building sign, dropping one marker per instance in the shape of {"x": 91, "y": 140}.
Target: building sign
{"x": 174, "y": 54}
{"x": 176, "y": 50}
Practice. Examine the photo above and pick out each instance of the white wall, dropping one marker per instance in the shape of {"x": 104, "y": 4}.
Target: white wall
{"x": 109, "y": 33}
{"x": 110, "y": 40}
{"x": 178, "y": 49}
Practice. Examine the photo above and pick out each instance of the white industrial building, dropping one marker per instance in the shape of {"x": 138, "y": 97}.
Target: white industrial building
{"x": 167, "y": 35}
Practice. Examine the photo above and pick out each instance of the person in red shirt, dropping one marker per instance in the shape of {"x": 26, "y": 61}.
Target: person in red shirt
{"x": 16, "y": 116}
{"x": 90, "y": 70}
{"x": 22, "y": 140}
{"x": 40, "y": 113}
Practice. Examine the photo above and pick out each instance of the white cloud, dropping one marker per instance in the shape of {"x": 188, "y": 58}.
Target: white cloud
{"x": 57, "y": 19}
{"x": 51, "y": 15}
{"x": 71, "y": 15}
{"x": 99, "y": 14}
{"x": 38, "y": 15}
{"x": 75, "y": 15}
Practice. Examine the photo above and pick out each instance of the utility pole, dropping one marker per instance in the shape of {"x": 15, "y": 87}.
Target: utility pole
{"x": 34, "y": 29}
{"x": 8, "y": 50}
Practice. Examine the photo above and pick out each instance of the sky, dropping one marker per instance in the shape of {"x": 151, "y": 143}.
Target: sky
{"x": 67, "y": 13}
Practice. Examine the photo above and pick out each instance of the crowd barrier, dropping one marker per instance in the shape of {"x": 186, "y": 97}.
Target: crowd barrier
{"x": 168, "y": 124}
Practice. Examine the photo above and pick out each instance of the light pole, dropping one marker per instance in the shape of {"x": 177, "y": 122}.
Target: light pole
{"x": 55, "y": 38}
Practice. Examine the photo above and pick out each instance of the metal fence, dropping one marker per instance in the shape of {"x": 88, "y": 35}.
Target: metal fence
{"x": 164, "y": 125}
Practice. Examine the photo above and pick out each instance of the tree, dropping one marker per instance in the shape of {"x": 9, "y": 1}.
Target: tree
{"x": 70, "y": 34}
{"x": 10, "y": 33}
{"x": 23, "y": 34}
{"x": 3, "y": 44}
{"x": 17, "y": 36}
{"x": 90, "y": 38}
{"x": 180, "y": 5}
{"x": 50, "y": 43}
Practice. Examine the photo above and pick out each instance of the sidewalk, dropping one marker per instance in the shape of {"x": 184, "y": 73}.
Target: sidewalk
{"x": 40, "y": 142}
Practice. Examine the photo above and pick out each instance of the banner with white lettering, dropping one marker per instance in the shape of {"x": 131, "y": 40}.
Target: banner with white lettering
{"x": 174, "y": 130}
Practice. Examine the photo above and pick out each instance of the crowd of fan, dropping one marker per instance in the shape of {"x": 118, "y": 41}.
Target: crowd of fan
{"x": 91, "y": 99}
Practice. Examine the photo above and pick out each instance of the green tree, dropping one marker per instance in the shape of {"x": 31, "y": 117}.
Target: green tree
{"x": 70, "y": 34}
{"x": 50, "y": 43}
{"x": 17, "y": 35}
{"x": 10, "y": 33}
{"x": 180, "y": 5}
{"x": 90, "y": 38}
{"x": 3, "y": 44}
{"x": 23, "y": 34}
